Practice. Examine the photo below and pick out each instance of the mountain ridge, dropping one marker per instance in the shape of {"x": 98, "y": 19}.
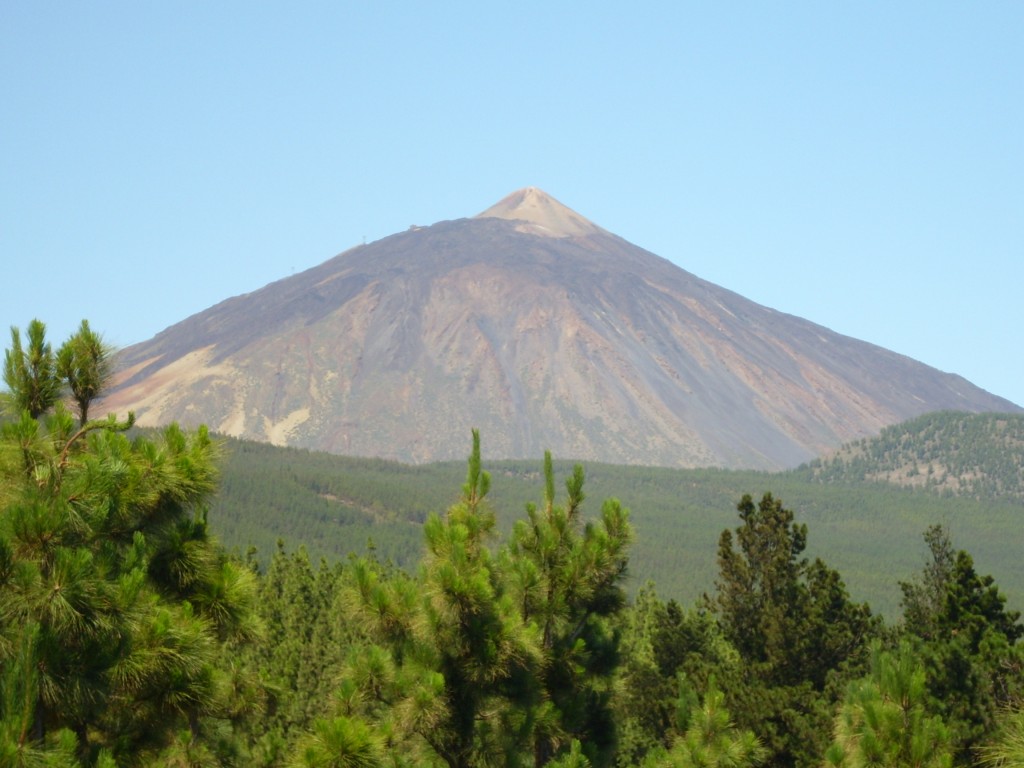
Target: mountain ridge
{"x": 581, "y": 343}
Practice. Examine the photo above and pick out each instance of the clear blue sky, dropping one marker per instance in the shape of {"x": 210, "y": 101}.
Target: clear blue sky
{"x": 857, "y": 164}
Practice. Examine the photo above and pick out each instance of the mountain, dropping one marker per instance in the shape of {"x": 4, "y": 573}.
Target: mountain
{"x": 543, "y": 330}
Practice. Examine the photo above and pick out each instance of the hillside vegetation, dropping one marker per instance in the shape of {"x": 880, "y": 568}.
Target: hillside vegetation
{"x": 979, "y": 456}
{"x": 870, "y": 530}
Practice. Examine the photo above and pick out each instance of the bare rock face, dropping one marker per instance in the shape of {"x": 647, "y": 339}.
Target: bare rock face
{"x": 541, "y": 329}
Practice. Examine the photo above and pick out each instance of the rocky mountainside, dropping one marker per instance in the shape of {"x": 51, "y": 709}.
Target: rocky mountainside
{"x": 543, "y": 330}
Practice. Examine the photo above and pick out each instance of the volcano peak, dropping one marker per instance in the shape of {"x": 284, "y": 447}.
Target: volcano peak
{"x": 540, "y": 214}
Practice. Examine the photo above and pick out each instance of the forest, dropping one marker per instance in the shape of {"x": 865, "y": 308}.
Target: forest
{"x": 869, "y": 529}
{"x": 130, "y": 637}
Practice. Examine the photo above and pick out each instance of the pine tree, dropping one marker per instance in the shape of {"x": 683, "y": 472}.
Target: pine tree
{"x": 967, "y": 640}
{"x": 793, "y": 626}
{"x": 925, "y": 598}
{"x": 303, "y": 646}
{"x": 1006, "y": 748}
{"x": 446, "y": 657}
{"x": 30, "y": 373}
{"x": 567, "y": 578}
{"x": 884, "y": 720}
{"x": 106, "y": 557}
{"x": 671, "y": 655}
{"x": 573, "y": 758}
{"x": 341, "y": 742}
{"x": 646, "y": 689}
{"x": 84, "y": 362}
{"x": 707, "y": 738}
{"x": 487, "y": 660}
{"x": 477, "y": 642}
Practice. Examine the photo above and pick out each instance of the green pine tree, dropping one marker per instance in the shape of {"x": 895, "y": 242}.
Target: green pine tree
{"x": 707, "y": 738}
{"x": 567, "y": 578}
{"x": 445, "y": 656}
{"x": 1006, "y": 747}
{"x": 794, "y": 628}
{"x": 884, "y": 720}
{"x": 968, "y": 641}
{"x": 107, "y": 561}
{"x": 30, "y": 373}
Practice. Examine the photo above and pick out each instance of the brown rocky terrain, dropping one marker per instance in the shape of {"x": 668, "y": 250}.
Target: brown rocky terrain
{"x": 541, "y": 329}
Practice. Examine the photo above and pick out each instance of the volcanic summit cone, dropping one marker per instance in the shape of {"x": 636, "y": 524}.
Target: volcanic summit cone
{"x": 543, "y": 330}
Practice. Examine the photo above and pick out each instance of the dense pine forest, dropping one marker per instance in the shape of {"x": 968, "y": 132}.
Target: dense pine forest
{"x": 868, "y": 528}
{"x": 444, "y": 634}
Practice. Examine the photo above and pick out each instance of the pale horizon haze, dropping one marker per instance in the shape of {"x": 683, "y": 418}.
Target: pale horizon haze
{"x": 857, "y": 165}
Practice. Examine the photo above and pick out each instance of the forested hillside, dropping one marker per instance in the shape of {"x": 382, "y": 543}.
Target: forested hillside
{"x": 974, "y": 455}
{"x": 335, "y": 505}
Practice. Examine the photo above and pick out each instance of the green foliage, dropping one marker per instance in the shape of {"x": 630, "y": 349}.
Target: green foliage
{"x": 473, "y": 636}
{"x": 669, "y": 654}
{"x": 884, "y": 720}
{"x": 487, "y": 658}
{"x": 792, "y": 625}
{"x": 1006, "y": 748}
{"x": 709, "y": 739}
{"x": 114, "y": 602}
{"x": 334, "y": 505}
{"x": 331, "y": 505}
{"x": 567, "y": 579}
{"x": 967, "y": 640}
{"x": 780, "y": 612}
{"x": 924, "y": 600}
{"x": 645, "y": 692}
{"x": 84, "y": 363}
{"x": 303, "y": 645}
{"x": 574, "y": 758}
{"x": 341, "y": 742}
{"x": 30, "y": 373}
{"x": 443, "y": 655}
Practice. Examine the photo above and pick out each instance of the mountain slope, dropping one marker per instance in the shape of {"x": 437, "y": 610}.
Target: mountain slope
{"x": 541, "y": 329}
